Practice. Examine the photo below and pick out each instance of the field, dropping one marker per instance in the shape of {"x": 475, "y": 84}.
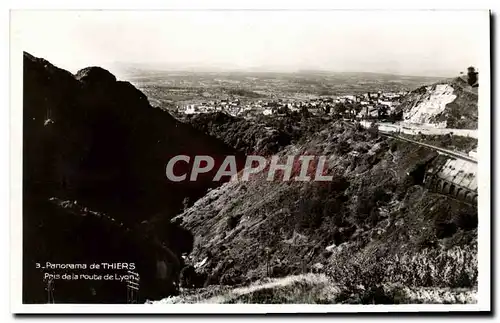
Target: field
{"x": 168, "y": 89}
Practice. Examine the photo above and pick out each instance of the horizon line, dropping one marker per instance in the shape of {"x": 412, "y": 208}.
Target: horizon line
{"x": 194, "y": 69}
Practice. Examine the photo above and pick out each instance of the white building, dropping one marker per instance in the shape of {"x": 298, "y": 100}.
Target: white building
{"x": 267, "y": 112}
{"x": 190, "y": 109}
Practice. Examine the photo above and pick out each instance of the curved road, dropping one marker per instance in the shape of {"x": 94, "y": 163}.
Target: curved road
{"x": 439, "y": 149}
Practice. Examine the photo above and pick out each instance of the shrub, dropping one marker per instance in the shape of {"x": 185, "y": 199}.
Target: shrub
{"x": 280, "y": 270}
{"x": 373, "y": 130}
{"x": 342, "y": 148}
{"x": 445, "y": 229}
{"x": 332, "y": 208}
{"x": 310, "y": 213}
{"x": 367, "y": 202}
{"x": 378, "y": 295}
{"x": 232, "y": 222}
{"x": 187, "y": 277}
{"x": 466, "y": 221}
{"x": 338, "y": 184}
{"x": 341, "y": 235}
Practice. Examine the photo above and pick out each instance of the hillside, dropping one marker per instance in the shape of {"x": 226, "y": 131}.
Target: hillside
{"x": 96, "y": 143}
{"x": 266, "y": 135}
{"x": 446, "y": 104}
{"x": 372, "y": 227}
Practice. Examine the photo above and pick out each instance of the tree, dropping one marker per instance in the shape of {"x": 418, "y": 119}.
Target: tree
{"x": 351, "y": 108}
{"x": 357, "y": 108}
{"x": 382, "y": 111}
{"x": 185, "y": 203}
{"x": 339, "y": 109}
{"x": 472, "y": 76}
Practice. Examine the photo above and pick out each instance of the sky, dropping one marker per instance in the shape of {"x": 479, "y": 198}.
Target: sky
{"x": 428, "y": 43}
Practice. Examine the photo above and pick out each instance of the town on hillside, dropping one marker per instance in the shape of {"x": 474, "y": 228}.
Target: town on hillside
{"x": 363, "y": 106}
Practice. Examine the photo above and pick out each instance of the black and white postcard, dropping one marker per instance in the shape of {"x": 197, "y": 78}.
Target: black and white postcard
{"x": 250, "y": 161}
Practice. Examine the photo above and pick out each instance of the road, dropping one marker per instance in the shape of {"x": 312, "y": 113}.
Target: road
{"x": 415, "y": 129}
{"x": 439, "y": 149}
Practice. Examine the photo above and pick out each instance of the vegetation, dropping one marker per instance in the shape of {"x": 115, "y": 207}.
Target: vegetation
{"x": 448, "y": 141}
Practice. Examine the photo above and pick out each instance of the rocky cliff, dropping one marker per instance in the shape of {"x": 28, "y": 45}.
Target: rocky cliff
{"x": 97, "y": 142}
{"x": 447, "y": 104}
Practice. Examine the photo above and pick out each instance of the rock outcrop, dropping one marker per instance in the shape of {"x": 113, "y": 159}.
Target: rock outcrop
{"x": 447, "y": 104}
